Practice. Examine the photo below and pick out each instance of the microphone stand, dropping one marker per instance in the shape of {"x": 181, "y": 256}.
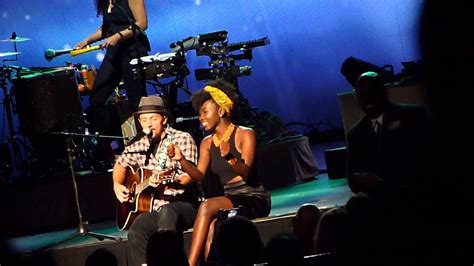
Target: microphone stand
{"x": 82, "y": 229}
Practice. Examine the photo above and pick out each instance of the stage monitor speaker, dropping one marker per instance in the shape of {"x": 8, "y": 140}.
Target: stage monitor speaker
{"x": 286, "y": 162}
{"x": 336, "y": 162}
{"x": 48, "y": 101}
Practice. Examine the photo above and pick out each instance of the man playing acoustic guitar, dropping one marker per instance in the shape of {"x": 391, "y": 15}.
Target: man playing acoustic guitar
{"x": 161, "y": 211}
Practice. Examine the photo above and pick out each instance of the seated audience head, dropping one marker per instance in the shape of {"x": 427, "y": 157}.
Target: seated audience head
{"x": 334, "y": 231}
{"x": 165, "y": 247}
{"x": 101, "y": 257}
{"x": 362, "y": 205}
{"x": 371, "y": 94}
{"x": 284, "y": 249}
{"x": 238, "y": 242}
{"x": 306, "y": 221}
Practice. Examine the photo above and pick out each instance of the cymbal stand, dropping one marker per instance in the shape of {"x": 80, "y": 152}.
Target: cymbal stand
{"x": 14, "y": 45}
{"x": 82, "y": 229}
{"x": 11, "y": 139}
{"x": 16, "y": 50}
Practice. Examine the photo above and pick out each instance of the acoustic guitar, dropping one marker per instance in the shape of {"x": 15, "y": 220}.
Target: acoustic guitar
{"x": 142, "y": 194}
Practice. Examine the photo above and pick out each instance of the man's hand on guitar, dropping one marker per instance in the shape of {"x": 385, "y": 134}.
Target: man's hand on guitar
{"x": 174, "y": 152}
{"x": 159, "y": 177}
{"x": 121, "y": 192}
{"x": 154, "y": 181}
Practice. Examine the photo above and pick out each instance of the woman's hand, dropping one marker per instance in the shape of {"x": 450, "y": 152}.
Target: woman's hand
{"x": 111, "y": 41}
{"x": 174, "y": 152}
{"x": 81, "y": 45}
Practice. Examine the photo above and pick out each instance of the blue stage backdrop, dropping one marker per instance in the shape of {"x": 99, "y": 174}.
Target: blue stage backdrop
{"x": 296, "y": 77}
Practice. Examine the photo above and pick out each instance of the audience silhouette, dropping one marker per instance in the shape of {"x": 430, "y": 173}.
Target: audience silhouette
{"x": 101, "y": 257}
{"x": 284, "y": 249}
{"x": 165, "y": 247}
{"x": 386, "y": 148}
{"x": 334, "y": 232}
{"x": 305, "y": 224}
{"x": 445, "y": 219}
{"x": 238, "y": 242}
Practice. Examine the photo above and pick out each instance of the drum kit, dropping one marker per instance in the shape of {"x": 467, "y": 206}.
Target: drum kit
{"x": 44, "y": 98}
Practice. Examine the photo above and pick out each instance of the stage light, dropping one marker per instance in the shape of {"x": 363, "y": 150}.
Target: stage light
{"x": 352, "y": 68}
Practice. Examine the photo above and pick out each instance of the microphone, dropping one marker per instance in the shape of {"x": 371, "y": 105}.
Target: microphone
{"x": 51, "y": 53}
{"x": 139, "y": 136}
{"x": 182, "y": 119}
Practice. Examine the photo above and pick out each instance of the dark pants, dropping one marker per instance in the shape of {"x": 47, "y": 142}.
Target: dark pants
{"x": 115, "y": 67}
{"x": 177, "y": 216}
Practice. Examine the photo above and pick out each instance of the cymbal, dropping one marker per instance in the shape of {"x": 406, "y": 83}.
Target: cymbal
{"x": 8, "y": 53}
{"x": 18, "y": 68}
{"x": 16, "y": 39}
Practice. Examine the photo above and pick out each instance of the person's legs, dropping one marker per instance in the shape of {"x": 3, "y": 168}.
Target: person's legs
{"x": 108, "y": 77}
{"x": 98, "y": 115}
{"x": 138, "y": 234}
{"x": 177, "y": 216}
{"x": 206, "y": 213}
{"x": 135, "y": 85}
{"x": 210, "y": 238}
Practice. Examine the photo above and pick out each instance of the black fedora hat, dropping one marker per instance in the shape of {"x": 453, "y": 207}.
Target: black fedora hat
{"x": 151, "y": 104}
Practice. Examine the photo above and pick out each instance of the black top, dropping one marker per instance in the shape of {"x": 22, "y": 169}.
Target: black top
{"x": 118, "y": 20}
{"x": 219, "y": 165}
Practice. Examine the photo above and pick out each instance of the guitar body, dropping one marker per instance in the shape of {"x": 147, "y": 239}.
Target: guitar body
{"x": 128, "y": 211}
{"x": 141, "y": 202}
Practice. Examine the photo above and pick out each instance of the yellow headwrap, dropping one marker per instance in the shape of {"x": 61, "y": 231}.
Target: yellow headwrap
{"x": 220, "y": 98}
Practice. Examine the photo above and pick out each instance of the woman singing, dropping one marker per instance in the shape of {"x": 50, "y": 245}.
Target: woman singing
{"x": 229, "y": 152}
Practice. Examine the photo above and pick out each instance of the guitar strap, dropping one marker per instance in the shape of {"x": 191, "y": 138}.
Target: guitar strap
{"x": 162, "y": 155}
{"x": 161, "y": 158}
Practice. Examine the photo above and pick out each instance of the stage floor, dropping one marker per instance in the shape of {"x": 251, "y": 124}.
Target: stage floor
{"x": 321, "y": 191}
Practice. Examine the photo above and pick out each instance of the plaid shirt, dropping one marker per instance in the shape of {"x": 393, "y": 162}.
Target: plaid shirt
{"x": 135, "y": 154}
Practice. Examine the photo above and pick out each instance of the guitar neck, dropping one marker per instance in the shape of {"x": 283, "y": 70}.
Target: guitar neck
{"x": 146, "y": 182}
